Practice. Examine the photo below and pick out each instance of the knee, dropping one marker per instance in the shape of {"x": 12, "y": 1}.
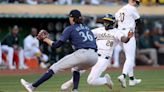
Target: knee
{"x": 90, "y": 81}
{"x": 154, "y": 51}
{"x": 11, "y": 50}
{"x": 55, "y": 69}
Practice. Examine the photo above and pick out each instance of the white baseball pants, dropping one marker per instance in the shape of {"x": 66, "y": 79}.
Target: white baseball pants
{"x": 96, "y": 71}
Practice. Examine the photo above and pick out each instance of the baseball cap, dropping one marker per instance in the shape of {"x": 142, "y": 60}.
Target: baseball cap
{"x": 75, "y": 13}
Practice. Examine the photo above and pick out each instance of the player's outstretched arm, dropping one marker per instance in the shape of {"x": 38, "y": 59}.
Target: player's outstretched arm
{"x": 43, "y": 36}
{"x": 54, "y": 44}
{"x": 126, "y": 39}
{"x": 48, "y": 41}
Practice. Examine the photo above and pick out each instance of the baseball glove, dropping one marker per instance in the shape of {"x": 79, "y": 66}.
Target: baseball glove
{"x": 42, "y": 35}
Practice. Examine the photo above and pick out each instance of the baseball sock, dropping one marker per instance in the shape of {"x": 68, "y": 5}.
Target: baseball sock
{"x": 131, "y": 78}
{"x": 124, "y": 75}
{"x": 76, "y": 78}
{"x": 44, "y": 78}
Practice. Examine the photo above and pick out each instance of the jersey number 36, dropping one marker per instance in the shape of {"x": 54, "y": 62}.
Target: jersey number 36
{"x": 86, "y": 36}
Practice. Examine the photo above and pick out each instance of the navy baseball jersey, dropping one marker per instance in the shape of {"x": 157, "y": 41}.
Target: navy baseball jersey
{"x": 80, "y": 36}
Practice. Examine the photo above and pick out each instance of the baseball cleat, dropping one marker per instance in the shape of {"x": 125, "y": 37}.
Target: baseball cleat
{"x": 67, "y": 85}
{"x": 75, "y": 90}
{"x": 122, "y": 80}
{"x": 27, "y": 85}
{"x": 109, "y": 81}
{"x": 12, "y": 67}
{"x": 134, "y": 82}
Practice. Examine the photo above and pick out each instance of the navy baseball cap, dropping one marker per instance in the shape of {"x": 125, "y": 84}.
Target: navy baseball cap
{"x": 75, "y": 13}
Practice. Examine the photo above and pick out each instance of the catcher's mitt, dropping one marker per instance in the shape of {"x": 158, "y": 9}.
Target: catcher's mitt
{"x": 42, "y": 35}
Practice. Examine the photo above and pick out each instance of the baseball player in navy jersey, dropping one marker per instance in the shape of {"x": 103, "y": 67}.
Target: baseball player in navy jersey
{"x": 84, "y": 56}
{"x": 107, "y": 38}
{"x": 127, "y": 17}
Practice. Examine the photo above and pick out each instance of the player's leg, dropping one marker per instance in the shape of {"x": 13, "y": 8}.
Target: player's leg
{"x": 69, "y": 83}
{"x": 66, "y": 62}
{"x": 116, "y": 53}
{"x": 96, "y": 71}
{"x": 22, "y": 60}
{"x": 130, "y": 50}
{"x": 133, "y": 81}
{"x": 56, "y": 67}
{"x": 89, "y": 58}
{"x": 10, "y": 53}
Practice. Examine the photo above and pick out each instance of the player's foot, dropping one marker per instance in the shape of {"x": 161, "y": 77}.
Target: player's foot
{"x": 66, "y": 85}
{"x": 75, "y": 90}
{"x": 24, "y": 67}
{"x": 134, "y": 82}
{"x": 122, "y": 80}
{"x": 27, "y": 85}
{"x": 12, "y": 67}
{"x": 109, "y": 81}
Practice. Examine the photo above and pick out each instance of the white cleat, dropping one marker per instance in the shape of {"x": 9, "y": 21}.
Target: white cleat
{"x": 23, "y": 67}
{"x": 27, "y": 85}
{"x": 12, "y": 67}
{"x": 67, "y": 85}
{"x": 134, "y": 82}
{"x": 75, "y": 90}
{"x": 122, "y": 80}
{"x": 109, "y": 81}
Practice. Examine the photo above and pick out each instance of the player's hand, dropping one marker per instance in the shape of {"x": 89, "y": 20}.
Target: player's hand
{"x": 42, "y": 35}
{"x": 130, "y": 34}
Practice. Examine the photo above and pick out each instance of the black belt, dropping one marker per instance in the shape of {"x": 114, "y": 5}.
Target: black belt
{"x": 107, "y": 57}
{"x": 88, "y": 49}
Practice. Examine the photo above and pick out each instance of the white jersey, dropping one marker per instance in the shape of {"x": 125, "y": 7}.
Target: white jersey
{"x": 106, "y": 40}
{"x": 126, "y": 17}
{"x": 31, "y": 42}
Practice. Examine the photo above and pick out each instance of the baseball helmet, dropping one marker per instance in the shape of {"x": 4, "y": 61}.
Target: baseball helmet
{"x": 109, "y": 21}
{"x": 109, "y": 17}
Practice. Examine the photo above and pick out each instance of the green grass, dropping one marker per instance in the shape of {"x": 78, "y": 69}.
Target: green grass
{"x": 152, "y": 81}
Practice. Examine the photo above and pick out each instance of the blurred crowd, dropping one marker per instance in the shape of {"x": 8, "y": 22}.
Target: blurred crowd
{"x": 81, "y": 2}
{"x": 13, "y": 55}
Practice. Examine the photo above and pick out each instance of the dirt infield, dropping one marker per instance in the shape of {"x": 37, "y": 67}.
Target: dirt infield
{"x": 39, "y": 71}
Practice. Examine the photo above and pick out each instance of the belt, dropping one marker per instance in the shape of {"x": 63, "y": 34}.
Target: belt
{"x": 107, "y": 57}
{"x": 88, "y": 49}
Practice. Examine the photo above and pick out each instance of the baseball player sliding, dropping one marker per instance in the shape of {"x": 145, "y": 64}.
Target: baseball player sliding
{"x": 127, "y": 17}
{"x": 107, "y": 38}
{"x": 83, "y": 57}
